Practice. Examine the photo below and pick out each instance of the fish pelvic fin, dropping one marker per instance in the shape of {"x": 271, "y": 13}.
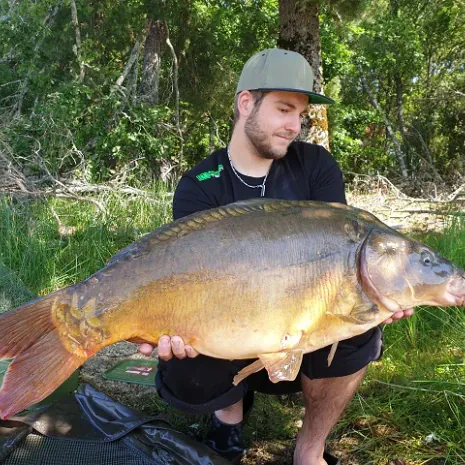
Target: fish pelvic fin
{"x": 332, "y": 353}
{"x": 247, "y": 371}
{"x": 281, "y": 366}
{"x": 36, "y": 373}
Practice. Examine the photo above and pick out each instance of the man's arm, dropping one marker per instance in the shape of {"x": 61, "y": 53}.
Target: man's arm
{"x": 189, "y": 198}
{"x": 326, "y": 180}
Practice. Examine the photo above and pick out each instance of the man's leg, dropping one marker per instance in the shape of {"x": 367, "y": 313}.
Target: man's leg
{"x": 232, "y": 414}
{"x": 325, "y": 400}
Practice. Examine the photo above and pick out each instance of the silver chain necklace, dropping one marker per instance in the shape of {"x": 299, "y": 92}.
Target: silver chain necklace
{"x": 262, "y": 185}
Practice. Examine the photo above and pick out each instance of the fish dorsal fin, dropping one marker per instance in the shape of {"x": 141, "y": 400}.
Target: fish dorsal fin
{"x": 199, "y": 220}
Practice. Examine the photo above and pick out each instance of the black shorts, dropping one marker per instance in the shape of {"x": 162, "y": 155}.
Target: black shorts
{"x": 205, "y": 384}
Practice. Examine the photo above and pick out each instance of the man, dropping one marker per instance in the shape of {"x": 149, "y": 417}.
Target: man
{"x": 263, "y": 160}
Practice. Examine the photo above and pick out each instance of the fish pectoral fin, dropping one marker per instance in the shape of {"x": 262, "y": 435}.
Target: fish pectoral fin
{"x": 248, "y": 370}
{"x": 282, "y": 366}
{"x": 360, "y": 314}
{"x": 332, "y": 353}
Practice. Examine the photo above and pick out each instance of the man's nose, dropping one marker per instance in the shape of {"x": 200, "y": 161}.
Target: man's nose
{"x": 294, "y": 124}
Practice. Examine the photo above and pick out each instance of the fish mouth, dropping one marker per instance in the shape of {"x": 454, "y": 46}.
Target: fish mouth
{"x": 455, "y": 292}
{"x": 449, "y": 298}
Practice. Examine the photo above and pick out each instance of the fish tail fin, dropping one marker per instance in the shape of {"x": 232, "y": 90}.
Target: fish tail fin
{"x": 21, "y": 327}
{"x": 41, "y": 361}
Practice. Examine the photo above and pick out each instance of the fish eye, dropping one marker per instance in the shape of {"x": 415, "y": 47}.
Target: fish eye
{"x": 426, "y": 258}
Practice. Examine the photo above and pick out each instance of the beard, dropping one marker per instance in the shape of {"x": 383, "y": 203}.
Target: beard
{"x": 260, "y": 140}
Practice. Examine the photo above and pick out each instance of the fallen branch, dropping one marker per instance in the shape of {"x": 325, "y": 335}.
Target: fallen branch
{"x": 457, "y": 192}
{"x": 99, "y": 188}
{"x": 434, "y": 201}
{"x": 51, "y": 193}
{"x": 424, "y": 212}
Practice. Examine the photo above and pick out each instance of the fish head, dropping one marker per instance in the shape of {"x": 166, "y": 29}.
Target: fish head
{"x": 400, "y": 273}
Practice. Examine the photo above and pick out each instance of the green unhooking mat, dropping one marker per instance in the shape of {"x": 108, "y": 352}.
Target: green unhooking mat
{"x": 89, "y": 428}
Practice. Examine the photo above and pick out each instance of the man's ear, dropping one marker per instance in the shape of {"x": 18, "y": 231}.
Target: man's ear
{"x": 245, "y": 103}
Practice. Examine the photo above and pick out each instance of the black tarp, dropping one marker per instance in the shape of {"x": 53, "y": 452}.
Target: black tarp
{"x": 89, "y": 428}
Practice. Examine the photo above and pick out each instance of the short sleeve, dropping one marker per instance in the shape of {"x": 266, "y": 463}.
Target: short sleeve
{"x": 189, "y": 198}
{"x": 326, "y": 179}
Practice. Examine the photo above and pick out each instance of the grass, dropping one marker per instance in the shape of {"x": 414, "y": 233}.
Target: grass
{"x": 54, "y": 243}
{"x": 410, "y": 408}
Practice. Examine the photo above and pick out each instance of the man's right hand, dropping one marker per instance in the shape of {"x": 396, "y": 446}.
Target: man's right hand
{"x": 169, "y": 347}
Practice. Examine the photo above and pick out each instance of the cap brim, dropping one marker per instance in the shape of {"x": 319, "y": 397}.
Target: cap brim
{"x": 314, "y": 98}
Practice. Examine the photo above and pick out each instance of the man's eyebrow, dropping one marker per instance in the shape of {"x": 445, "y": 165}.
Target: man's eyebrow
{"x": 283, "y": 102}
{"x": 291, "y": 105}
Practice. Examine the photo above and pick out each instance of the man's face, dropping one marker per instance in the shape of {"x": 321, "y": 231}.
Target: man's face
{"x": 275, "y": 123}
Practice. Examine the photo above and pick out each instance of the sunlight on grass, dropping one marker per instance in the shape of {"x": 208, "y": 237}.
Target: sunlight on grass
{"x": 51, "y": 244}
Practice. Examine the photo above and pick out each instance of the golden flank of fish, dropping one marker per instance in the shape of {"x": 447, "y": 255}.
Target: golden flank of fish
{"x": 265, "y": 279}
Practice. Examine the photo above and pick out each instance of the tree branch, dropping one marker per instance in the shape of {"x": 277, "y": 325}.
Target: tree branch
{"x": 176, "y": 88}
{"x": 132, "y": 59}
{"x": 77, "y": 48}
{"x": 25, "y": 82}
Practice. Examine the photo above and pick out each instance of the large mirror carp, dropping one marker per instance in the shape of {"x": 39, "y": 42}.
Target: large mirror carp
{"x": 264, "y": 279}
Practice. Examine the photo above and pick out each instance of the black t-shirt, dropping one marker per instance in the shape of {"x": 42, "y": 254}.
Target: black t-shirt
{"x": 306, "y": 172}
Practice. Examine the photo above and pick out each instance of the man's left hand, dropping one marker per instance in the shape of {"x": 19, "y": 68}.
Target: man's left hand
{"x": 398, "y": 316}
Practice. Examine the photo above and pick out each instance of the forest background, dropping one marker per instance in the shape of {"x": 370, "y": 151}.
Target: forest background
{"x": 104, "y": 104}
{"x": 143, "y": 89}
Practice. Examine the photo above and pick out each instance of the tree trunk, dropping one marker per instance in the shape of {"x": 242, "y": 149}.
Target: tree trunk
{"x": 177, "y": 100}
{"x": 153, "y": 48}
{"x": 300, "y": 31}
{"x": 400, "y": 105}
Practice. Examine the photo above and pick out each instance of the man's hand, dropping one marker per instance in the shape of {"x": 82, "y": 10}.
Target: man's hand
{"x": 398, "y": 316}
{"x": 169, "y": 346}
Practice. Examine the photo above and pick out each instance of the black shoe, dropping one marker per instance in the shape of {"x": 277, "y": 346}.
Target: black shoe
{"x": 226, "y": 439}
{"x": 330, "y": 459}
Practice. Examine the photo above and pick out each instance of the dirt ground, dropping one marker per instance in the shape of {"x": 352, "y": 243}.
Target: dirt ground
{"x": 380, "y": 198}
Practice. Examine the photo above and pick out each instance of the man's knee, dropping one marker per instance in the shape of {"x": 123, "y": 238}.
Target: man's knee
{"x": 198, "y": 385}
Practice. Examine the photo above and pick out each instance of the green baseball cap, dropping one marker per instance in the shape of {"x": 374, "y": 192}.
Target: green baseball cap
{"x": 278, "y": 69}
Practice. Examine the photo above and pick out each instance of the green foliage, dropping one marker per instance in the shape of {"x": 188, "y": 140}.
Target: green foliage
{"x": 411, "y": 54}
{"x": 99, "y": 129}
{"x": 51, "y": 244}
